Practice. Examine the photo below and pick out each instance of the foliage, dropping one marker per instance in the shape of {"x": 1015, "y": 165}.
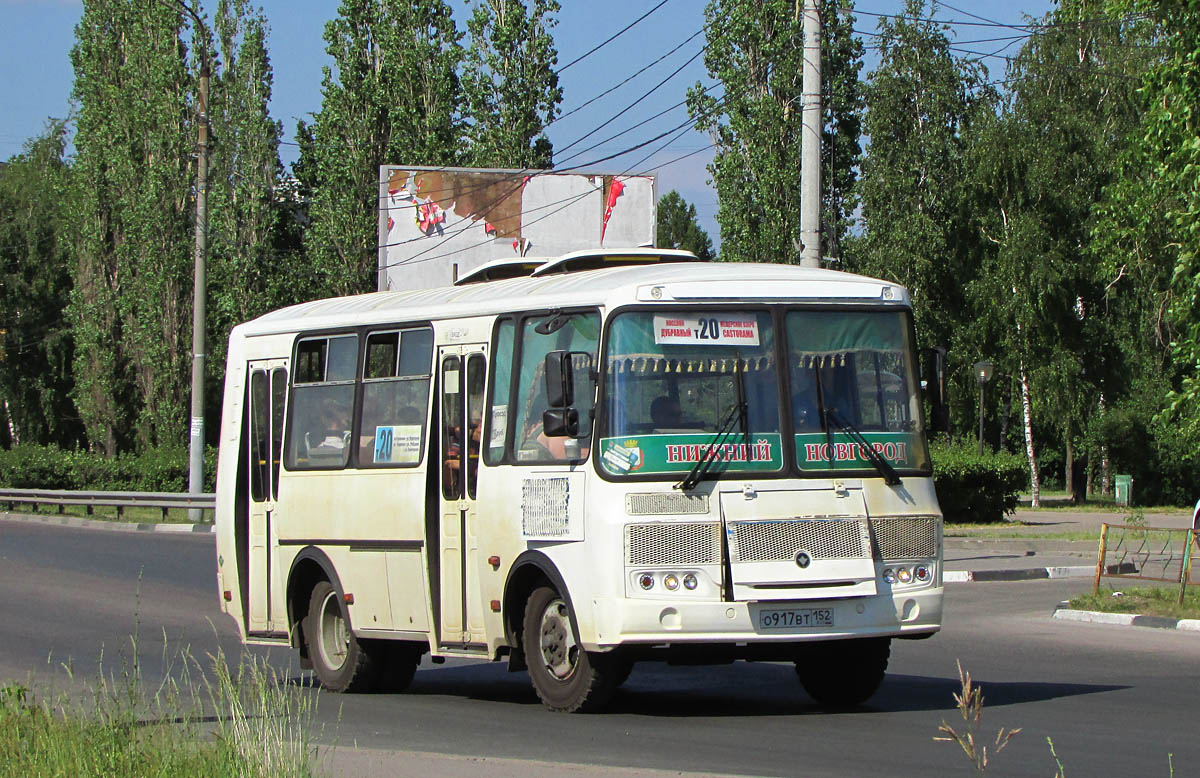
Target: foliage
{"x": 30, "y": 466}
{"x": 919, "y": 101}
{"x": 391, "y": 97}
{"x": 510, "y": 87}
{"x": 36, "y": 345}
{"x": 1037, "y": 171}
{"x": 130, "y": 305}
{"x": 678, "y": 228}
{"x": 124, "y": 730}
{"x": 973, "y": 488}
{"x": 253, "y": 263}
{"x": 1156, "y": 213}
{"x": 755, "y": 49}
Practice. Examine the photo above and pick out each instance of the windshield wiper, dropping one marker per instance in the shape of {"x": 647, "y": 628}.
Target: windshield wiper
{"x": 890, "y": 476}
{"x": 737, "y": 413}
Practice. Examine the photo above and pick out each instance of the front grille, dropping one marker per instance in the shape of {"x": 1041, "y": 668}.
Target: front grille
{"x": 653, "y": 545}
{"x": 657, "y": 504}
{"x": 905, "y": 538}
{"x": 771, "y": 541}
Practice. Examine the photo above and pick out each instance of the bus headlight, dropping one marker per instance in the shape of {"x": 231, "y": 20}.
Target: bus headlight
{"x": 646, "y": 581}
{"x": 889, "y": 575}
{"x": 904, "y": 575}
{"x": 923, "y": 573}
{"x": 671, "y": 582}
{"x": 690, "y": 582}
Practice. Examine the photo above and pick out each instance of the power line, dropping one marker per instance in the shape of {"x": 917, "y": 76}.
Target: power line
{"x": 626, "y": 29}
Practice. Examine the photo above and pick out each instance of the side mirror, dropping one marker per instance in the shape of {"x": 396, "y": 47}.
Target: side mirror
{"x": 560, "y": 381}
{"x": 560, "y": 423}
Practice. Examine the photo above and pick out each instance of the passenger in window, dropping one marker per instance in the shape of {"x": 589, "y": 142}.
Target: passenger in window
{"x": 335, "y": 427}
{"x": 665, "y": 413}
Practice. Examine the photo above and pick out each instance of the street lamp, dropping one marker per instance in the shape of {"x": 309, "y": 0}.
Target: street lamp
{"x": 983, "y": 374}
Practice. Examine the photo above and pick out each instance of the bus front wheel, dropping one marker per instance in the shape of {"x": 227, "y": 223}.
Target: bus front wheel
{"x": 843, "y": 673}
{"x": 567, "y": 678}
{"x": 338, "y": 659}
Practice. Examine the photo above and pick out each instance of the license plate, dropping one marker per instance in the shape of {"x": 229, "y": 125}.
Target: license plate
{"x": 792, "y": 618}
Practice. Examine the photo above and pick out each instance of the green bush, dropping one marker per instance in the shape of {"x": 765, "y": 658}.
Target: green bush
{"x": 974, "y": 488}
{"x": 35, "y": 467}
{"x": 47, "y": 467}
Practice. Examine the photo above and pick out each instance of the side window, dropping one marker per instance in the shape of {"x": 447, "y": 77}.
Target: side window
{"x": 502, "y": 369}
{"x": 579, "y": 332}
{"x": 322, "y": 406}
{"x": 395, "y": 398}
{"x": 259, "y": 435}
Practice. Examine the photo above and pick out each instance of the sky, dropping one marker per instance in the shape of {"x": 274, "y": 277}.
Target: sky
{"x": 36, "y": 37}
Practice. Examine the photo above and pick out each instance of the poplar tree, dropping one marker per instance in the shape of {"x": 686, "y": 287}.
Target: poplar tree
{"x": 130, "y": 307}
{"x": 391, "y": 97}
{"x": 755, "y": 50}
{"x": 249, "y": 270}
{"x": 510, "y": 87}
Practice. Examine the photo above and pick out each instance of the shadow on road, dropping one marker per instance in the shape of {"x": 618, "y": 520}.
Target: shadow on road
{"x": 742, "y": 689}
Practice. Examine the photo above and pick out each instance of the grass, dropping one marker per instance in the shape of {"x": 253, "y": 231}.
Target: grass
{"x": 137, "y": 515}
{"x": 243, "y": 722}
{"x": 1146, "y": 601}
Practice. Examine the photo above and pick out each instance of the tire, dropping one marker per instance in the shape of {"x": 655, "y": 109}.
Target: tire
{"x": 843, "y": 673}
{"x": 565, "y": 677}
{"x": 339, "y": 660}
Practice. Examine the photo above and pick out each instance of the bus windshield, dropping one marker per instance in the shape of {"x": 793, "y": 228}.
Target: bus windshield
{"x": 674, "y": 378}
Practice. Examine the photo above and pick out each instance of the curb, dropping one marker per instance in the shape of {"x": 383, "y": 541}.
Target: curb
{"x": 1033, "y": 573}
{"x": 110, "y": 526}
{"x": 1127, "y": 620}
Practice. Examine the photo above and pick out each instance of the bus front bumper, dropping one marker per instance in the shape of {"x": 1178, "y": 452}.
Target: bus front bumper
{"x": 623, "y": 621}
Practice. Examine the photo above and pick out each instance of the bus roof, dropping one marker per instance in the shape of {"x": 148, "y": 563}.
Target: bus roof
{"x": 683, "y": 282}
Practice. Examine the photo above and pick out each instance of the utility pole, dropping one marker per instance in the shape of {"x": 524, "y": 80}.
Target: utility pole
{"x": 810, "y": 139}
{"x": 196, "y": 446}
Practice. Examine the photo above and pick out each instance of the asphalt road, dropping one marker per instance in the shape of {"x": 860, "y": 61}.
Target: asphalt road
{"x": 1115, "y": 700}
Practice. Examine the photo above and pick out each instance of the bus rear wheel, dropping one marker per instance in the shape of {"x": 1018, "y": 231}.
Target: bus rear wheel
{"x": 339, "y": 661}
{"x": 843, "y": 673}
{"x": 567, "y": 678}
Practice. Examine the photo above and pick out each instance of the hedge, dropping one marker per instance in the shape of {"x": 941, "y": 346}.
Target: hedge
{"x": 47, "y": 467}
{"x": 974, "y": 488}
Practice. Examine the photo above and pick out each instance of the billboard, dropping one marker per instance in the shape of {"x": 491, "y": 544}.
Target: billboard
{"x": 438, "y": 223}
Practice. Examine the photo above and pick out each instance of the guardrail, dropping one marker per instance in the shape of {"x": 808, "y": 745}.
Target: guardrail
{"x": 165, "y": 501}
{"x": 1156, "y": 554}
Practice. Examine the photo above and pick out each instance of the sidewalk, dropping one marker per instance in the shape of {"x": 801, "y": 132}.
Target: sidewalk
{"x": 1028, "y": 557}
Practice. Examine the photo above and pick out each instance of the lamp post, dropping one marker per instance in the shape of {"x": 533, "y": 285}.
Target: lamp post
{"x": 983, "y": 374}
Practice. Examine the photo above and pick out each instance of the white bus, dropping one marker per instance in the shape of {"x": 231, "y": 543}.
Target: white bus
{"x": 582, "y": 463}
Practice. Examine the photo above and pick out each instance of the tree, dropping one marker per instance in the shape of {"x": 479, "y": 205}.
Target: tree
{"x": 249, "y": 271}
{"x": 755, "y": 49}
{"x": 391, "y": 97}
{"x": 678, "y": 228}
{"x": 130, "y": 307}
{"x": 1162, "y": 204}
{"x": 918, "y": 101}
{"x": 1039, "y": 170}
{"x": 510, "y": 87}
{"x": 35, "y": 281}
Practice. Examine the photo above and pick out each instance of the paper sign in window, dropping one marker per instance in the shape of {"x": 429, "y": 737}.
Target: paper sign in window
{"x": 398, "y": 444}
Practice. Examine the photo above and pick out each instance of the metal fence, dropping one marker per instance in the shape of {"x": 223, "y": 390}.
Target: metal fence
{"x": 61, "y": 498}
{"x": 1156, "y": 554}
